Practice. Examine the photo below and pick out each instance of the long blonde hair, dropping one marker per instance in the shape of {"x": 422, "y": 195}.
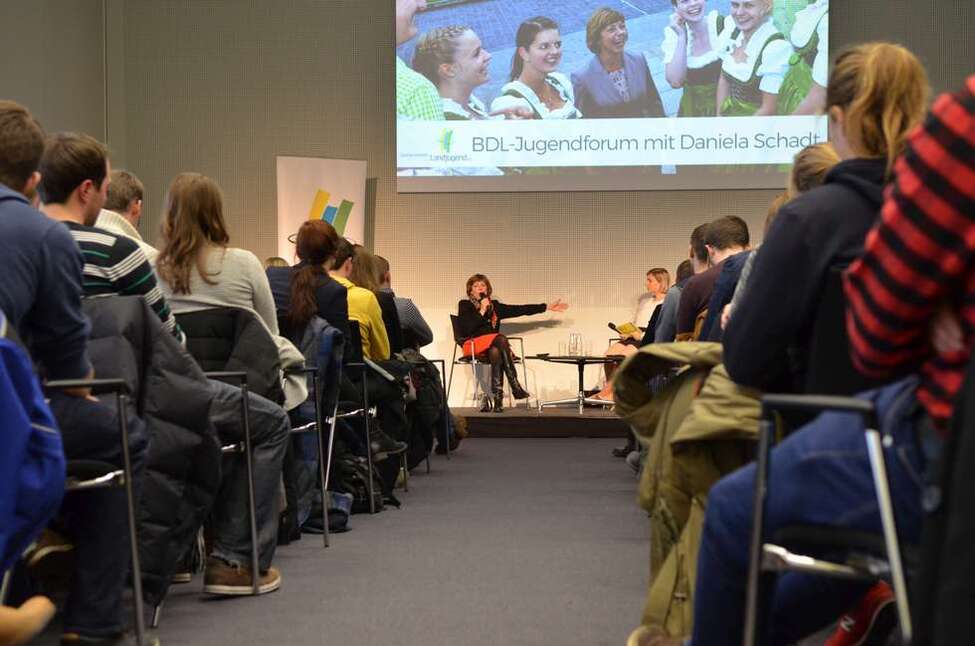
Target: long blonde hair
{"x": 364, "y": 267}
{"x": 192, "y": 221}
{"x": 883, "y": 90}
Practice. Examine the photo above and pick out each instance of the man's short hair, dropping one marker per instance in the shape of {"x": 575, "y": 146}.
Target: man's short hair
{"x": 124, "y": 188}
{"x": 21, "y": 145}
{"x": 684, "y": 270}
{"x": 698, "y": 247}
{"x": 69, "y": 159}
{"x": 727, "y": 232}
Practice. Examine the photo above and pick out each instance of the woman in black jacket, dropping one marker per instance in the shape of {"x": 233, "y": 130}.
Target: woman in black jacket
{"x": 479, "y": 320}
{"x": 877, "y": 93}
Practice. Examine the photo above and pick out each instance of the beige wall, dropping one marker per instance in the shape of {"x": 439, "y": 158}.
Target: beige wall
{"x": 221, "y": 87}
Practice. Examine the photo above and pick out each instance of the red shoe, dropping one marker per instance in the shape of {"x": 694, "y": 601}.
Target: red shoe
{"x": 870, "y": 622}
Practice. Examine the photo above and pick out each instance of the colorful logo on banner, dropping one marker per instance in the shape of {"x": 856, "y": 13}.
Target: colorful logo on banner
{"x": 446, "y": 140}
{"x": 337, "y": 216}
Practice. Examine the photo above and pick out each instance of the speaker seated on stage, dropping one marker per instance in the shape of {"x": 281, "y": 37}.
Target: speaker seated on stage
{"x": 480, "y": 318}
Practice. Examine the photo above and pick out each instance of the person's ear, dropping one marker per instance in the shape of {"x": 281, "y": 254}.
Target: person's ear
{"x": 837, "y": 115}
{"x": 447, "y": 70}
{"x": 32, "y": 182}
{"x": 523, "y": 52}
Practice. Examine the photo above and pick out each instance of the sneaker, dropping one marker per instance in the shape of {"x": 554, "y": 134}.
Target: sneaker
{"x": 74, "y": 639}
{"x": 383, "y": 445}
{"x": 181, "y": 577}
{"x": 222, "y": 578}
{"x": 870, "y": 623}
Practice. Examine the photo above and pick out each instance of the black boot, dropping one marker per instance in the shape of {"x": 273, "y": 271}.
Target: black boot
{"x": 509, "y": 370}
{"x": 497, "y": 388}
{"x": 486, "y": 403}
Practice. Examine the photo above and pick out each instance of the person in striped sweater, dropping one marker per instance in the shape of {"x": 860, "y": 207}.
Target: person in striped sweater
{"x": 73, "y": 188}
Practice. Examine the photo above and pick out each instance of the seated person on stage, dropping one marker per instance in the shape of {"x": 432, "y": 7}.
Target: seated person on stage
{"x": 908, "y": 251}
{"x": 723, "y": 238}
{"x": 123, "y": 210}
{"x": 697, "y": 256}
{"x": 114, "y": 263}
{"x": 41, "y": 296}
{"x": 197, "y": 271}
{"x": 646, "y": 316}
{"x": 480, "y": 319}
{"x": 416, "y": 331}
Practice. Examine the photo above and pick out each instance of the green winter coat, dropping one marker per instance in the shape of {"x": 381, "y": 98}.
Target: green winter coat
{"x": 698, "y": 428}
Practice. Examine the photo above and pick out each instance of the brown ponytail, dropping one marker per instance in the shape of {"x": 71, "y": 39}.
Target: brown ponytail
{"x": 883, "y": 90}
{"x": 315, "y": 245}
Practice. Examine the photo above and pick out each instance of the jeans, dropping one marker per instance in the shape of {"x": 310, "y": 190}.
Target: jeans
{"x": 96, "y": 521}
{"x": 820, "y": 475}
{"x": 270, "y": 429}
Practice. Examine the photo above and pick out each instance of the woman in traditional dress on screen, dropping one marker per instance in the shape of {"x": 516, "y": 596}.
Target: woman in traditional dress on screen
{"x": 479, "y": 319}
{"x": 534, "y": 82}
{"x": 804, "y": 89}
{"x": 615, "y": 83}
{"x": 692, "y": 55}
{"x": 754, "y": 61}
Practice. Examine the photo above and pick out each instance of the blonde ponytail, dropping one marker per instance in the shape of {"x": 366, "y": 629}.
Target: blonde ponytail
{"x": 883, "y": 90}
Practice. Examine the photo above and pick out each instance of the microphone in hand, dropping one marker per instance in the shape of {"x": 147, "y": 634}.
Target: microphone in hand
{"x": 612, "y": 326}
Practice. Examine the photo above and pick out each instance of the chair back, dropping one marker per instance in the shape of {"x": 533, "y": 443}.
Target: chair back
{"x": 234, "y": 339}
{"x": 830, "y": 369}
{"x": 353, "y": 345}
{"x": 459, "y": 336}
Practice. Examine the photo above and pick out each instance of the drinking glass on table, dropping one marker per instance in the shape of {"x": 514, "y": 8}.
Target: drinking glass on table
{"x": 575, "y": 344}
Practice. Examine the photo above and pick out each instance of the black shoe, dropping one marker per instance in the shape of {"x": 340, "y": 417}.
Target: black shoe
{"x": 508, "y": 364}
{"x": 383, "y": 445}
{"x": 486, "y": 404}
{"x": 621, "y": 451}
{"x": 499, "y": 402}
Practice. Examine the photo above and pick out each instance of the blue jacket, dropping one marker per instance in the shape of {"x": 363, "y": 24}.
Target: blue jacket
{"x": 597, "y": 97}
{"x": 31, "y": 456}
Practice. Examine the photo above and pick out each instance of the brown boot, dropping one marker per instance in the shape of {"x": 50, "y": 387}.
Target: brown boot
{"x": 222, "y": 578}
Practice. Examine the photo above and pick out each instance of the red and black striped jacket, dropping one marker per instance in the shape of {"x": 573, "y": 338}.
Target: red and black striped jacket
{"x": 920, "y": 256}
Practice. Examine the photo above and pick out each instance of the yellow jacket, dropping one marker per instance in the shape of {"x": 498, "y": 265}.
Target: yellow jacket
{"x": 364, "y": 310}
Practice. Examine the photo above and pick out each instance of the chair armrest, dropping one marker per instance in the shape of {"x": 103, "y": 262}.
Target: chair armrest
{"x": 97, "y": 385}
{"x": 378, "y": 369}
{"x": 819, "y": 403}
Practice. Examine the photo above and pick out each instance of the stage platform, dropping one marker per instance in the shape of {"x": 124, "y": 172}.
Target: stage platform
{"x": 551, "y": 422}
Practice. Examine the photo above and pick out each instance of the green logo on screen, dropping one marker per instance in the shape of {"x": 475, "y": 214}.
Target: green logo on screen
{"x": 446, "y": 140}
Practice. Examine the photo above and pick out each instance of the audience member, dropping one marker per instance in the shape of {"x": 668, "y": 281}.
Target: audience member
{"x": 72, "y": 166}
{"x": 123, "y": 210}
{"x": 666, "y": 331}
{"x": 41, "y": 295}
{"x": 275, "y": 261}
{"x": 480, "y": 321}
{"x": 363, "y": 305}
{"x": 365, "y": 273}
{"x": 416, "y": 331}
{"x": 809, "y": 170}
{"x": 724, "y": 238}
{"x": 876, "y": 94}
{"x": 821, "y": 475}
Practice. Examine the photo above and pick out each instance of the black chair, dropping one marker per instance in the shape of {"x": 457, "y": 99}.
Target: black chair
{"x": 462, "y": 341}
{"x": 829, "y": 373}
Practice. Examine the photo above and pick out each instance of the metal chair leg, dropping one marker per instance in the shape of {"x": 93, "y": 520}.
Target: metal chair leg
{"x": 140, "y": 627}
{"x": 251, "y": 497}
{"x": 4, "y": 587}
{"x": 878, "y": 469}
{"x": 450, "y": 382}
{"x": 753, "y": 599}
{"x": 320, "y": 425}
{"x": 156, "y": 616}
{"x": 446, "y": 404}
{"x": 365, "y": 417}
{"x": 406, "y": 472}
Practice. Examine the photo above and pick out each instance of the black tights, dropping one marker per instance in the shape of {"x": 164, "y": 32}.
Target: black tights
{"x": 494, "y": 356}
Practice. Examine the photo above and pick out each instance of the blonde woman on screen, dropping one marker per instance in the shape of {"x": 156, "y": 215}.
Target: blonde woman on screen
{"x": 535, "y": 84}
{"x": 754, "y": 62}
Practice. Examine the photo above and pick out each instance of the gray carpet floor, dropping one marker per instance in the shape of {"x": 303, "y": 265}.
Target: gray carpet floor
{"x": 514, "y": 542}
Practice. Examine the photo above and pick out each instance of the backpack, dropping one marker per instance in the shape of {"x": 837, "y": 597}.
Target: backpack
{"x": 352, "y": 476}
{"x": 32, "y": 469}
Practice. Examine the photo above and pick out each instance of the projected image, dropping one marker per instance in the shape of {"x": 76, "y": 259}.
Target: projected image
{"x": 654, "y": 88}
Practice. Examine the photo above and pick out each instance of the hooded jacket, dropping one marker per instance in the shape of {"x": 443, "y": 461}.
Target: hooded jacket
{"x": 766, "y": 341}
